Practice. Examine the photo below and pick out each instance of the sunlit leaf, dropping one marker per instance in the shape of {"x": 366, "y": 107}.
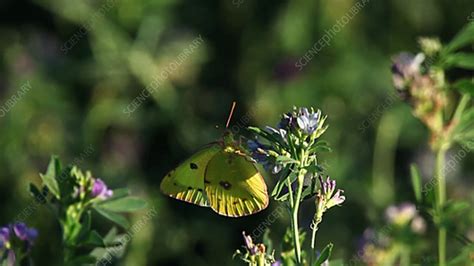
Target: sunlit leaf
{"x": 463, "y": 38}
{"x": 325, "y": 254}
{"x": 465, "y": 86}
{"x": 113, "y": 216}
{"x": 49, "y": 178}
{"x": 127, "y": 204}
{"x": 37, "y": 195}
{"x": 460, "y": 60}
{"x": 93, "y": 239}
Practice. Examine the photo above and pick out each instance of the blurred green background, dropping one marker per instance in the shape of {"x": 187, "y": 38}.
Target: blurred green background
{"x": 87, "y": 62}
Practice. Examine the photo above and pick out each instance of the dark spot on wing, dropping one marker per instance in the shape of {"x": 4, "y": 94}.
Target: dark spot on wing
{"x": 207, "y": 181}
{"x": 226, "y": 185}
{"x": 200, "y": 189}
{"x": 189, "y": 188}
{"x": 236, "y": 202}
{"x": 193, "y": 166}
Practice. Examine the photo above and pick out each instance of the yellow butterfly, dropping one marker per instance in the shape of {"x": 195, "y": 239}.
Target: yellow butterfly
{"x": 220, "y": 176}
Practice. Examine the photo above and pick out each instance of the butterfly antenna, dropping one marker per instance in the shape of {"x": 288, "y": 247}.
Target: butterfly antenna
{"x": 230, "y": 114}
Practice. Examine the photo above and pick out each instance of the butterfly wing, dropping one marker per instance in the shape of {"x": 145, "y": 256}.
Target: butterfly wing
{"x": 186, "y": 182}
{"x": 234, "y": 187}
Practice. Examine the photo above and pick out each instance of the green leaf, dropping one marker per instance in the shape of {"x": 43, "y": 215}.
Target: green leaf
{"x": 465, "y": 86}
{"x": 416, "y": 181}
{"x": 267, "y": 240}
{"x": 324, "y": 255}
{"x": 113, "y": 216}
{"x": 463, "y": 38}
{"x": 93, "y": 239}
{"x": 119, "y": 193}
{"x": 286, "y": 160}
{"x": 455, "y": 208}
{"x": 111, "y": 235}
{"x": 460, "y": 60}
{"x": 465, "y": 128}
{"x": 255, "y": 130}
{"x": 49, "y": 178}
{"x": 85, "y": 227}
{"x": 66, "y": 184}
{"x": 37, "y": 195}
{"x": 127, "y": 204}
{"x": 310, "y": 190}
{"x": 278, "y": 187}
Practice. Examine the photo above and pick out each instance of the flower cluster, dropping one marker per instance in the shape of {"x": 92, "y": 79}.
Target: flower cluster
{"x": 256, "y": 254}
{"x": 403, "y": 226}
{"x": 16, "y": 240}
{"x": 100, "y": 189}
{"x": 326, "y": 198}
{"x": 290, "y": 150}
{"x": 74, "y": 195}
{"x": 421, "y": 88}
{"x": 296, "y": 130}
{"x": 405, "y": 214}
{"x": 89, "y": 187}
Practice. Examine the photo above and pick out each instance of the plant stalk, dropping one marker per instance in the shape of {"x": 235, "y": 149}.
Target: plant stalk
{"x": 314, "y": 230}
{"x": 441, "y": 199}
{"x": 296, "y": 206}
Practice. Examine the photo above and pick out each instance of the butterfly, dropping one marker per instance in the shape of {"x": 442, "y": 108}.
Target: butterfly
{"x": 221, "y": 176}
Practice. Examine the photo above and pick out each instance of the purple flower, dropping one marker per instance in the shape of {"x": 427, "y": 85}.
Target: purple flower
{"x": 308, "y": 121}
{"x": 400, "y": 214}
{"x": 327, "y": 194}
{"x": 25, "y": 233}
{"x": 4, "y": 236}
{"x": 277, "y": 263}
{"x": 405, "y": 68}
{"x": 405, "y": 214}
{"x": 100, "y": 190}
{"x": 251, "y": 247}
{"x": 259, "y": 152}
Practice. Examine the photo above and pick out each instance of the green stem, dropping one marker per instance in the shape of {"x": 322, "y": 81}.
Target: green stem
{"x": 461, "y": 106}
{"x": 441, "y": 199}
{"x": 290, "y": 191}
{"x": 296, "y": 206}
{"x": 405, "y": 257}
{"x": 314, "y": 229}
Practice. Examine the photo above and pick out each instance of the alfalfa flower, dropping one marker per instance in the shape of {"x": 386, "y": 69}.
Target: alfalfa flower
{"x": 406, "y": 67}
{"x": 326, "y": 199}
{"x": 254, "y": 254}
{"x": 16, "y": 241}
{"x": 308, "y": 121}
{"x": 421, "y": 86}
{"x": 405, "y": 214}
{"x": 326, "y": 194}
{"x": 4, "y": 237}
{"x": 100, "y": 189}
{"x": 25, "y": 233}
{"x": 263, "y": 155}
